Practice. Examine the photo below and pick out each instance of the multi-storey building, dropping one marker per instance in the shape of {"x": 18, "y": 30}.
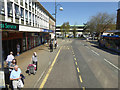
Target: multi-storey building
{"x": 79, "y": 30}
{"x": 25, "y": 22}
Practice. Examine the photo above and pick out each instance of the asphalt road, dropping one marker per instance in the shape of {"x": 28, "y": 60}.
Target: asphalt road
{"x": 74, "y": 64}
{"x": 81, "y": 64}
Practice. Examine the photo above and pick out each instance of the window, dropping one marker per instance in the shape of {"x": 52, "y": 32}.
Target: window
{"x": 26, "y": 15}
{"x": 10, "y": 10}
{"x": 22, "y": 13}
{"x": 25, "y": 1}
{"x": 25, "y": 5}
{"x": 29, "y": 7}
{"x": 2, "y": 10}
{"x": 16, "y": 1}
{"x": 33, "y": 17}
{"x": 16, "y": 11}
{"x": 33, "y": 4}
{"x": 30, "y": 16}
{"x": 21, "y": 2}
{"x": 36, "y": 19}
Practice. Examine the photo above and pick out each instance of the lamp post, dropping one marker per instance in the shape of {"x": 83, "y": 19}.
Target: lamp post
{"x": 61, "y": 9}
{"x": 1, "y": 61}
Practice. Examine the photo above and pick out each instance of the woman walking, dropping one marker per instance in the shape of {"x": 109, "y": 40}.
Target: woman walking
{"x": 34, "y": 59}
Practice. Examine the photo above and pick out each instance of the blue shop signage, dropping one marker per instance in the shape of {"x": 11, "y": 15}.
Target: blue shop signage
{"x": 45, "y": 30}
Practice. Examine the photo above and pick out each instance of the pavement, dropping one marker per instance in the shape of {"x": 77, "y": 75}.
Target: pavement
{"x": 44, "y": 60}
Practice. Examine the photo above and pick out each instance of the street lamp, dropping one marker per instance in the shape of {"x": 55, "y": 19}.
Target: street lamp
{"x": 61, "y": 9}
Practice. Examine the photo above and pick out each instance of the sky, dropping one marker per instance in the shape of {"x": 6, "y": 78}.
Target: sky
{"x": 80, "y": 12}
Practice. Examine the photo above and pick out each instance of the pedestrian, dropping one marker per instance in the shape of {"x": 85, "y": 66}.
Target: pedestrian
{"x": 18, "y": 49}
{"x": 9, "y": 58}
{"x": 15, "y": 76}
{"x": 34, "y": 59}
{"x": 55, "y": 44}
{"x": 51, "y": 47}
{"x": 13, "y": 63}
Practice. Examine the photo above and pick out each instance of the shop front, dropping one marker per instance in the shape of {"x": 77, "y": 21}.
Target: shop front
{"x": 10, "y": 38}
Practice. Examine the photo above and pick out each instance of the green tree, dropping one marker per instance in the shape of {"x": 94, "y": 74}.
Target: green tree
{"x": 74, "y": 31}
{"x": 65, "y": 27}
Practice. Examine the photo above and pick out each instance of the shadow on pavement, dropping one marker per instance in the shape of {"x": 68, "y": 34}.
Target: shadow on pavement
{"x": 44, "y": 50}
{"x": 106, "y": 50}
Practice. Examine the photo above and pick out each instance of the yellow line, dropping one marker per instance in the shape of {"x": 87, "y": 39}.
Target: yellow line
{"x": 75, "y": 59}
{"x": 48, "y": 73}
{"x": 76, "y": 63}
{"x": 78, "y": 69}
{"x": 83, "y": 88}
{"x": 80, "y": 79}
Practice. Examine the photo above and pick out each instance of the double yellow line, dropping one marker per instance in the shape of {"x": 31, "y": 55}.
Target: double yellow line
{"x": 50, "y": 69}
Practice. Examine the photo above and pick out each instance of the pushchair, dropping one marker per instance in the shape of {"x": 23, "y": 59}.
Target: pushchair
{"x": 31, "y": 69}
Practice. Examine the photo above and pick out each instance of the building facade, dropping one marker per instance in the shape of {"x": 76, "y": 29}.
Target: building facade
{"x": 24, "y": 22}
{"x": 79, "y": 30}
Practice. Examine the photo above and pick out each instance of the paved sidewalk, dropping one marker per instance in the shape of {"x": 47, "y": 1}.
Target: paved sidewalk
{"x": 45, "y": 58}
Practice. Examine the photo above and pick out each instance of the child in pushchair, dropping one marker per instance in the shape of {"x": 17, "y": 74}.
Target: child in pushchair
{"x": 31, "y": 69}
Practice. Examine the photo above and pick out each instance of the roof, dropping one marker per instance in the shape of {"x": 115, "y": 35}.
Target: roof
{"x": 72, "y": 25}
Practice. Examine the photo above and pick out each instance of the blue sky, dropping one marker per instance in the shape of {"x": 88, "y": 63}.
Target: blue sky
{"x": 80, "y": 12}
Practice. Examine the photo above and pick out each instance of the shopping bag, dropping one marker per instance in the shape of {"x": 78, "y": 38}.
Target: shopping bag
{"x": 20, "y": 84}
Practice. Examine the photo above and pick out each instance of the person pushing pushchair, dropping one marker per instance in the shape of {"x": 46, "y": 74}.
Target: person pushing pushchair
{"x": 51, "y": 47}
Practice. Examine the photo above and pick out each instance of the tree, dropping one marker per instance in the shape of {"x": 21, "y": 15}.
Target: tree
{"x": 101, "y": 22}
{"x": 65, "y": 28}
{"x": 74, "y": 31}
{"x": 62, "y": 29}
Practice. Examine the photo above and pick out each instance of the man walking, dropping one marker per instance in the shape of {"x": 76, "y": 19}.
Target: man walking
{"x": 9, "y": 58}
{"x": 15, "y": 76}
{"x": 55, "y": 44}
{"x": 51, "y": 47}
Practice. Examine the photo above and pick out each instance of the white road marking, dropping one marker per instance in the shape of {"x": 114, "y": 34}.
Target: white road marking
{"x": 87, "y": 47}
{"x": 111, "y": 64}
{"x": 95, "y": 52}
{"x": 39, "y": 79}
{"x": 49, "y": 63}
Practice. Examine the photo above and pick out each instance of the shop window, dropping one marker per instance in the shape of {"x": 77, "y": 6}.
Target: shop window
{"x": 26, "y": 15}
{"x": 2, "y": 10}
{"x": 16, "y": 11}
{"x": 22, "y": 13}
{"x": 10, "y": 10}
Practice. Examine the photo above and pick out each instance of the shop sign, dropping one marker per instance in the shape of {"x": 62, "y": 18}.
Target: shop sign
{"x": 8, "y": 26}
{"x": 45, "y": 30}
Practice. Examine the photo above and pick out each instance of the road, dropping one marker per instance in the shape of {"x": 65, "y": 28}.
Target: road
{"x": 77, "y": 64}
